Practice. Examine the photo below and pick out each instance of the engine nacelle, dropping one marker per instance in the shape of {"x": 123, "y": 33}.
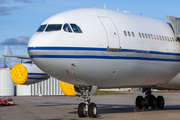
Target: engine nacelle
{"x": 25, "y": 74}
{"x": 73, "y": 90}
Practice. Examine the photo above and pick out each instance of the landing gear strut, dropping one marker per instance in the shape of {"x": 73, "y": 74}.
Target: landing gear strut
{"x": 149, "y": 100}
{"x": 87, "y": 107}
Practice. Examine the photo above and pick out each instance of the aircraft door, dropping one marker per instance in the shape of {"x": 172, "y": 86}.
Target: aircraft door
{"x": 111, "y": 32}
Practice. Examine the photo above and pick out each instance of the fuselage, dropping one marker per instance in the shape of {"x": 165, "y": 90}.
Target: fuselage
{"x": 107, "y": 49}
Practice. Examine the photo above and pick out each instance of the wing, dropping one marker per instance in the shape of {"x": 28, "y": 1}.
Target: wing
{"x": 8, "y": 54}
{"x": 17, "y": 56}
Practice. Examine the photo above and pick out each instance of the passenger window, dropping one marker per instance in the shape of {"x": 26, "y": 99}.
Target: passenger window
{"x": 160, "y": 37}
{"x": 133, "y": 34}
{"x": 154, "y": 37}
{"x": 41, "y": 28}
{"x": 125, "y": 33}
{"x": 67, "y": 28}
{"x": 129, "y": 34}
{"x": 76, "y": 28}
{"x": 140, "y": 35}
{"x": 157, "y": 37}
{"x": 53, "y": 27}
{"x": 143, "y": 35}
{"x": 151, "y": 36}
{"x": 165, "y": 38}
{"x": 146, "y": 35}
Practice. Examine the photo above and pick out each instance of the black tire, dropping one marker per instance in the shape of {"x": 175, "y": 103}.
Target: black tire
{"x": 139, "y": 102}
{"x": 152, "y": 101}
{"x": 92, "y": 110}
{"x": 81, "y": 110}
{"x": 160, "y": 102}
{"x": 146, "y": 102}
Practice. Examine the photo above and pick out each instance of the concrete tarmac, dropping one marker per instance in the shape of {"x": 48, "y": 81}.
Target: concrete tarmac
{"x": 110, "y": 107}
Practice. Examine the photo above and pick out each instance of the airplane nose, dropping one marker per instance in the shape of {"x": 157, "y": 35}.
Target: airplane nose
{"x": 33, "y": 42}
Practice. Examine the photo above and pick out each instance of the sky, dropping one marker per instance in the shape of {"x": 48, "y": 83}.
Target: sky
{"x": 19, "y": 19}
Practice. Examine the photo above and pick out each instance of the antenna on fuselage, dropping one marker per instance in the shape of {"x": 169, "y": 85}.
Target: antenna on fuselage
{"x": 105, "y": 6}
{"x": 141, "y": 14}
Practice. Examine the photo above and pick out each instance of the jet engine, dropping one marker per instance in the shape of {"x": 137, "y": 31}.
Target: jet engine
{"x": 74, "y": 90}
{"x": 25, "y": 74}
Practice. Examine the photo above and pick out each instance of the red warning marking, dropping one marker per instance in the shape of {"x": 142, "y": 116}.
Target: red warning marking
{"x": 150, "y": 81}
{"x": 73, "y": 64}
{"x": 67, "y": 71}
{"x": 153, "y": 80}
{"x": 145, "y": 81}
{"x": 72, "y": 71}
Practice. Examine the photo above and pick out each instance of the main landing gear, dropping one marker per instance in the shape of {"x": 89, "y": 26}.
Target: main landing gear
{"x": 87, "y": 108}
{"x": 149, "y": 100}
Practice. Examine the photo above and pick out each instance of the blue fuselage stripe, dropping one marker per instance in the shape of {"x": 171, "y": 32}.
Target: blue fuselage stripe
{"x": 37, "y": 74}
{"x": 68, "y": 48}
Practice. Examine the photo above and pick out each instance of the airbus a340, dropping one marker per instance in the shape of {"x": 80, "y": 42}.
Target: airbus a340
{"x": 108, "y": 49}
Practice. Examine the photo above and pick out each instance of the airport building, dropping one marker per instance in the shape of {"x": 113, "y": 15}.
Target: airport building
{"x": 46, "y": 87}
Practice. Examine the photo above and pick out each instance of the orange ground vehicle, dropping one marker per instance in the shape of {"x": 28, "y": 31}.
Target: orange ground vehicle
{"x": 6, "y": 101}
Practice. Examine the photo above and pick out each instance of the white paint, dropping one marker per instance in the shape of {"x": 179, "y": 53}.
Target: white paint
{"x": 23, "y": 90}
{"x": 6, "y": 83}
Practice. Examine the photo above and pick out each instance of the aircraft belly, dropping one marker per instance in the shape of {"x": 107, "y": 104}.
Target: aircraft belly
{"x": 106, "y": 69}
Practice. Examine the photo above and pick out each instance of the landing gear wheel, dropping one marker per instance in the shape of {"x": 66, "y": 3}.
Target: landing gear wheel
{"x": 152, "y": 101}
{"x": 92, "y": 110}
{"x": 160, "y": 102}
{"x": 139, "y": 102}
{"x": 82, "y": 110}
{"x": 146, "y": 102}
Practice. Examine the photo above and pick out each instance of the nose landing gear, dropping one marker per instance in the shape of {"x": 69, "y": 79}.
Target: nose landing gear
{"x": 149, "y": 100}
{"x": 87, "y": 108}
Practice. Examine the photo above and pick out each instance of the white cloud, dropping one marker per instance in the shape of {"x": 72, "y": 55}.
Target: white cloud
{"x": 3, "y": 1}
{"x": 22, "y": 40}
{"x": 26, "y": 1}
{"x": 29, "y": 1}
{"x": 7, "y": 10}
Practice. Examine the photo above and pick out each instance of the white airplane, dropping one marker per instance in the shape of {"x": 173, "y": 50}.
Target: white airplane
{"x": 109, "y": 49}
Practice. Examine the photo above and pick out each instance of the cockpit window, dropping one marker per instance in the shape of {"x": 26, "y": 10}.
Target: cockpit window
{"x": 76, "y": 28}
{"x": 67, "y": 28}
{"x": 53, "y": 27}
{"x": 41, "y": 28}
